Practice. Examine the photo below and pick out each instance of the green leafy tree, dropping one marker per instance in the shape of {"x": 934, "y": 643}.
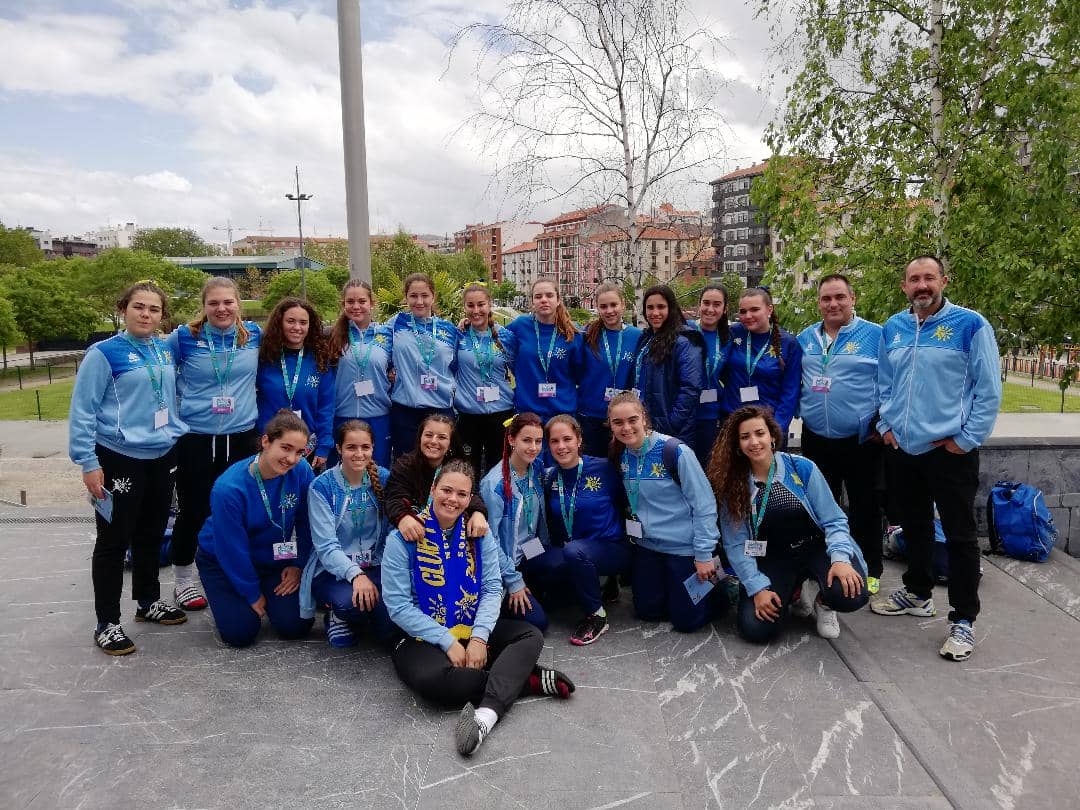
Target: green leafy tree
{"x": 253, "y": 284}
{"x": 46, "y": 306}
{"x": 464, "y": 267}
{"x": 335, "y": 253}
{"x": 448, "y": 296}
{"x": 336, "y": 274}
{"x": 101, "y": 280}
{"x": 504, "y": 292}
{"x": 320, "y": 292}
{"x": 18, "y": 247}
{"x": 172, "y": 242}
{"x": 9, "y": 329}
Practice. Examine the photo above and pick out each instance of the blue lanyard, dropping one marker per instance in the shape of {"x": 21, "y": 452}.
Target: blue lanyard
{"x": 750, "y": 367}
{"x": 528, "y": 497}
{"x": 483, "y": 350}
{"x": 230, "y": 355}
{"x": 356, "y": 500}
{"x": 361, "y": 362}
{"x": 826, "y": 350}
{"x": 152, "y": 360}
{"x": 637, "y": 360}
{"x": 568, "y": 517}
{"x": 545, "y": 362}
{"x": 614, "y": 366}
{"x": 759, "y": 513}
{"x": 290, "y": 388}
{"x": 427, "y": 347}
{"x": 266, "y": 500}
{"x": 712, "y": 361}
{"x": 632, "y": 491}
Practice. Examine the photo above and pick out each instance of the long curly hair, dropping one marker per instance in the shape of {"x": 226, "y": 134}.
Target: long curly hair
{"x": 273, "y": 339}
{"x": 662, "y": 340}
{"x": 359, "y": 425}
{"x": 729, "y": 469}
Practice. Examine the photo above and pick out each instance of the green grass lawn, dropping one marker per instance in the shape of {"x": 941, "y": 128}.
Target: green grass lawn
{"x": 55, "y": 400}
{"x": 1016, "y": 396}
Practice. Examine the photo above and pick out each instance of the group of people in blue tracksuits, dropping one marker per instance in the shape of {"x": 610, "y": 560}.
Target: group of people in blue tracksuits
{"x": 447, "y": 485}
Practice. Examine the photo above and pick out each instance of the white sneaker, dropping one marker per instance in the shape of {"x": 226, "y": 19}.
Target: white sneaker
{"x": 803, "y": 607}
{"x": 828, "y": 623}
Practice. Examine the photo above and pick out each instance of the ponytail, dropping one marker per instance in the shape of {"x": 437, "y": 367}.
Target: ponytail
{"x": 596, "y": 328}
{"x": 339, "y": 334}
{"x": 774, "y": 338}
{"x": 514, "y": 427}
{"x": 477, "y": 286}
{"x": 564, "y": 323}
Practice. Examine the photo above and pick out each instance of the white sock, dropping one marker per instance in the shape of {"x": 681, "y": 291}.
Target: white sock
{"x": 486, "y": 718}
{"x": 601, "y": 613}
{"x": 183, "y": 574}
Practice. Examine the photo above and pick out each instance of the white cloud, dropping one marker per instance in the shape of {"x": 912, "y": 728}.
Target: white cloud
{"x": 163, "y": 181}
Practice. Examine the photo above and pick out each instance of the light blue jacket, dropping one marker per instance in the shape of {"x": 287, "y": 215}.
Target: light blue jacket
{"x": 338, "y": 545}
{"x": 940, "y": 379}
{"x": 198, "y": 385}
{"x": 468, "y": 371}
{"x": 509, "y": 524}
{"x": 804, "y": 480}
{"x": 678, "y": 520}
{"x": 113, "y": 402}
{"x": 400, "y": 597}
{"x": 377, "y": 348}
{"x": 409, "y": 363}
{"x": 848, "y": 408}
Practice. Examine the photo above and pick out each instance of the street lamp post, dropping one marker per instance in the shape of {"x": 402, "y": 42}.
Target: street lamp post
{"x": 299, "y": 198}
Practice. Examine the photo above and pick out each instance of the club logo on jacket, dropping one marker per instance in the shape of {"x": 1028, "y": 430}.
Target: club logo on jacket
{"x": 121, "y": 486}
{"x": 560, "y": 353}
{"x": 133, "y": 357}
{"x": 592, "y": 483}
{"x": 380, "y": 339}
{"x": 313, "y": 381}
{"x": 851, "y": 347}
{"x": 657, "y": 470}
{"x": 737, "y": 341}
{"x": 943, "y": 333}
{"x": 289, "y": 500}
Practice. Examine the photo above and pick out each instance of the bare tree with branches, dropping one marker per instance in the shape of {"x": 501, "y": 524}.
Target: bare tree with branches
{"x": 609, "y": 100}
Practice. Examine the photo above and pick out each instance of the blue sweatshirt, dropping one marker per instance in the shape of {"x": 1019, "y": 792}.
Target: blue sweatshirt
{"x": 565, "y": 369}
{"x": 374, "y": 350}
{"x": 114, "y": 401}
{"x": 675, "y": 519}
{"x": 779, "y": 389}
{"x": 197, "y": 382}
{"x": 510, "y": 525}
{"x": 850, "y": 364}
{"x": 400, "y": 597}
{"x": 715, "y": 357}
{"x": 313, "y": 396}
{"x": 473, "y": 348}
{"x": 597, "y": 513}
{"x": 239, "y": 534}
{"x": 938, "y": 380}
{"x": 804, "y": 480}
{"x": 342, "y": 547}
{"x": 410, "y": 364}
{"x": 596, "y": 375}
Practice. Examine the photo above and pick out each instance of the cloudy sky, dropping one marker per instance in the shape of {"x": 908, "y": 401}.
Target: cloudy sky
{"x": 194, "y": 112}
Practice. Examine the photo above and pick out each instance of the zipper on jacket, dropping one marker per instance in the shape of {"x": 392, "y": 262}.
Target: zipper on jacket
{"x": 911, "y": 377}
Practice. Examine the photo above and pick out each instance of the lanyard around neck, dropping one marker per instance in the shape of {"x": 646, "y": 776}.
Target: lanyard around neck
{"x": 568, "y": 516}
{"x": 545, "y": 361}
{"x": 266, "y": 500}
{"x": 290, "y": 387}
{"x": 151, "y": 360}
{"x": 222, "y": 377}
{"x": 356, "y": 346}
{"x": 613, "y": 364}
{"x": 751, "y": 366}
{"x": 633, "y": 484}
{"x": 483, "y": 350}
{"x": 426, "y": 346}
{"x": 759, "y": 513}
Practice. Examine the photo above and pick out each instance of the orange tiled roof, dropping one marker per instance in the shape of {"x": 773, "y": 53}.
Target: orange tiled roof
{"x": 749, "y": 171}
{"x": 524, "y": 247}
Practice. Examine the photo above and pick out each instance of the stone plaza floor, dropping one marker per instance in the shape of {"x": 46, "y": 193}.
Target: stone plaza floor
{"x": 874, "y": 719}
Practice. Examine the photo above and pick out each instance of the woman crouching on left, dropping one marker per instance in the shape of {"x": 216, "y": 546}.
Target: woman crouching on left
{"x": 445, "y": 591}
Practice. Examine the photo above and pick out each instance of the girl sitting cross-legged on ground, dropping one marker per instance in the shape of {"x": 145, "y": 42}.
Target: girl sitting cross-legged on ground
{"x": 348, "y": 530}
{"x": 781, "y": 525}
{"x": 444, "y": 592}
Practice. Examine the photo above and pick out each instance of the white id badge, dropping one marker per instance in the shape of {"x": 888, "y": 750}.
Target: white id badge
{"x": 285, "y": 551}
{"x": 363, "y": 388}
{"x": 755, "y": 548}
{"x": 487, "y": 393}
{"x": 748, "y": 394}
{"x": 610, "y": 393}
{"x": 532, "y": 548}
{"x": 633, "y": 528}
{"x": 428, "y": 382}
{"x": 222, "y": 404}
{"x": 820, "y": 384}
{"x": 707, "y": 395}
{"x": 161, "y": 418}
{"x": 546, "y": 390}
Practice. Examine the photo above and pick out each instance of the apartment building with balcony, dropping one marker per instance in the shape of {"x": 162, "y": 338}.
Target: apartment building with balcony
{"x": 567, "y": 251}
{"x": 491, "y": 240}
{"x": 519, "y": 266}
{"x": 741, "y": 236}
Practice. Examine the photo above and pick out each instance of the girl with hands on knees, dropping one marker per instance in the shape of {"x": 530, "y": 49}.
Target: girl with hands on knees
{"x": 781, "y": 525}
{"x": 122, "y": 432}
{"x": 409, "y": 486}
{"x": 513, "y": 492}
{"x": 257, "y": 539}
{"x": 444, "y": 592}
{"x": 348, "y": 530}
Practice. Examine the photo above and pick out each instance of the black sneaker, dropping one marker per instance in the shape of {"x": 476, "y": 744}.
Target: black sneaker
{"x": 161, "y": 612}
{"x": 113, "y": 640}
{"x": 589, "y": 630}
{"x": 610, "y": 591}
{"x": 469, "y": 732}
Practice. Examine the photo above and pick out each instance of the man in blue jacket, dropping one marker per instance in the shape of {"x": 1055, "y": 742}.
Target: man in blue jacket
{"x": 940, "y": 389}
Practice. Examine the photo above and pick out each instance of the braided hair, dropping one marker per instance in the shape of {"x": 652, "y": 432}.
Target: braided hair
{"x": 372, "y": 469}
{"x": 521, "y": 420}
{"x": 476, "y": 286}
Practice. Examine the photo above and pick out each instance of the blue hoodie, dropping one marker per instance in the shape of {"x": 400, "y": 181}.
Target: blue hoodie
{"x": 848, "y": 407}
{"x": 239, "y": 534}
{"x": 114, "y": 401}
{"x": 374, "y": 349}
{"x": 804, "y": 480}
{"x": 510, "y": 526}
{"x": 197, "y": 382}
{"x": 677, "y": 520}
{"x": 598, "y": 506}
{"x": 596, "y": 376}
{"x": 564, "y": 370}
{"x": 339, "y": 547}
{"x": 472, "y": 345}
{"x": 410, "y": 365}
{"x": 938, "y": 380}
{"x": 400, "y": 597}
{"x": 671, "y": 390}
{"x": 779, "y": 389}
{"x": 715, "y": 357}
{"x": 313, "y": 396}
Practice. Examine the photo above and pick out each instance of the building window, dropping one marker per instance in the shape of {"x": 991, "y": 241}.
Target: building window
{"x": 743, "y": 233}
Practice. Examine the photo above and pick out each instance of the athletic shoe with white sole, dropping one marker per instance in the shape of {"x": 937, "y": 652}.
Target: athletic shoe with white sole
{"x": 113, "y": 640}
{"x": 828, "y": 623}
{"x": 188, "y": 597}
{"x": 160, "y": 612}
{"x": 903, "y": 601}
{"x": 803, "y": 605}
{"x": 960, "y": 643}
{"x": 589, "y": 630}
{"x": 469, "y": 732}
{"x": 338, "y": 633}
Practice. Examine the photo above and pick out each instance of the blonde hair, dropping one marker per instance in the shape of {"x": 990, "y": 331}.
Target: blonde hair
{"x": 212, "y": 283}
{"x": 563, "y": 322}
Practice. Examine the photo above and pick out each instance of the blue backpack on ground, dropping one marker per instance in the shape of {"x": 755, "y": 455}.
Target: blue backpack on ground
{"x": 1019, "y": 523}
{"x": 895, "y": 548}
